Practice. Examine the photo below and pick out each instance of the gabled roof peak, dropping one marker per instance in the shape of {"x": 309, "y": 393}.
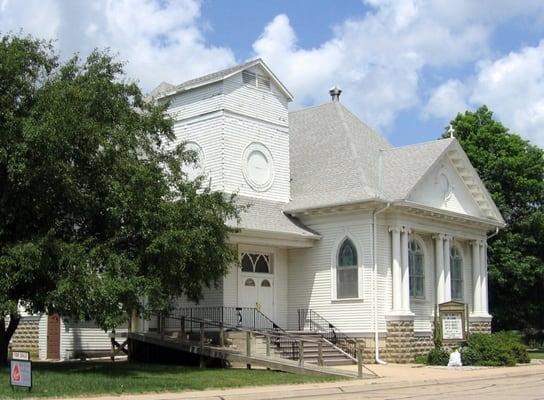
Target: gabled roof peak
{"x": 221, "y": 75}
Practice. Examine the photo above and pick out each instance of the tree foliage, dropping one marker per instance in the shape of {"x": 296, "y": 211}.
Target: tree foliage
{"x": 96, "y": 212}
{"x": 513, "y": 172}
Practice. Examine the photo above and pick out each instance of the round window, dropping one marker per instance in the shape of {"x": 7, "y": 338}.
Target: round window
{"x": 196, "y": 168}
{"x": 258, "y": 167}
{"x": 445, "y": 186}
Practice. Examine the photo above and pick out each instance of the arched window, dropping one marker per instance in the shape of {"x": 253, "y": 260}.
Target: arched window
{"x": 416, "y": 263}
{"x": 456, "y": 271}
{"x": 249, "y": 282}
{"x": 253, "y": 262}
{"x": 347, "y": 281}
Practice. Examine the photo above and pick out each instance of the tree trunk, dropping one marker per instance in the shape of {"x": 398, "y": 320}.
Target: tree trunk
{"x": 6, "y": 335}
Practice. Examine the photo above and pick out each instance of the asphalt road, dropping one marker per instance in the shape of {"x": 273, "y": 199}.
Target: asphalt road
{"x": 511, "y": 388}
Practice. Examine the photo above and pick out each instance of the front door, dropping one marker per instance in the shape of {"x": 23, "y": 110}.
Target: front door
{"x": 53, "y": 337}
{"x": 256, "y": 286}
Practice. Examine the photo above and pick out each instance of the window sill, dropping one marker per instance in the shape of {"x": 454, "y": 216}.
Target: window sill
{"x": 419, "y": 300}
{"x": 352, "y": 300}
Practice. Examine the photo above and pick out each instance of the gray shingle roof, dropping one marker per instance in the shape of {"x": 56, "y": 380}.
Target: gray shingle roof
{"x": 268, "y": 216}
{"x": 334, "y": 157}
{"x": 403, "y": 167}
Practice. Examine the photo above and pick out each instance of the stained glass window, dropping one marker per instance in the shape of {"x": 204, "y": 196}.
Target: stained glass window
{"x": 347, "y": 279}
{"x": 416, "y": 263}
{"x": 456, "y": 271}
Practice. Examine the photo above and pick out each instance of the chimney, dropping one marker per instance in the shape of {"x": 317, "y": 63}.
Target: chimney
{"x": 335, "y": 92}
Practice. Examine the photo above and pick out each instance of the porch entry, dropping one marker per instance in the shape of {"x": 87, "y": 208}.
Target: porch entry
{"x": 256, "y": 282}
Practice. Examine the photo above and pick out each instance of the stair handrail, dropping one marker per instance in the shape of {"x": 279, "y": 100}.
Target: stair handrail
{"x": 327, "y": 330}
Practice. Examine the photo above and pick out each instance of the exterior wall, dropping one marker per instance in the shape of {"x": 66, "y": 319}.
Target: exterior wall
{"x": 310, "y": 274}
{"x": 84, "y": 339}
{"x": 207, "y": 132}
{"x": 400, "y": 341}
{"x": 196, "y": 102}
{"x": 26, "y": 336}
{"x": 479, "y": 325}
{"x": 240, "y": 132}
{"x": 212, "y": 297}
{"x": 429, "y": 192}
{"x": 42, "y": 336}
{"x": 262, "y": 104}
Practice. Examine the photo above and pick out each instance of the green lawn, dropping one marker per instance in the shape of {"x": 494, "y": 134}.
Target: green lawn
{"x": 86, "y": 378}
{"x": 536, "y": 354}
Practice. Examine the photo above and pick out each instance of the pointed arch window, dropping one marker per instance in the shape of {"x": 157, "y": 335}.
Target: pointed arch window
{"x": 347, "y": 274}
{"x": 416, "y": 264}
{"x": 456, "y": 271}
{"x": 256, "y": 262}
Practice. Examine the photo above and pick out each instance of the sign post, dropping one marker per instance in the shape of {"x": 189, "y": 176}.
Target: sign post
{"x": 20, "y": 371}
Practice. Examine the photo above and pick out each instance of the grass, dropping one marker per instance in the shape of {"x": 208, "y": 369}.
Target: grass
{"x": 94, "y": 378}
{"x": 538, "y": 355}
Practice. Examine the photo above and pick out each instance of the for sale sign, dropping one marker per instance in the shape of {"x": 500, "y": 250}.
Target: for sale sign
{"x": 21, "y": 373}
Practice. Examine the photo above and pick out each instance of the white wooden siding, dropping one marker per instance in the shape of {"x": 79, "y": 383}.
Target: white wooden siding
{"x": 268, "y": 105}
{"x": 310, "y": 275}
{"x": 207, "y": 133}
{"x": 195, "y": 102}
{"x": 77, "y": 337}
{"x": 280, "y": 288}
{"x": 42, "y": 336}
{"x": 240, "y": 132}
{"x": 212, "y": 297}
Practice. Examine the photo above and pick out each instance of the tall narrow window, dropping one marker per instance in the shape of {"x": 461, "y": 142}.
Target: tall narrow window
{"x": 346, "y": 271}
{"x": 416, "y": 263}
{"x": 456, "y": 270}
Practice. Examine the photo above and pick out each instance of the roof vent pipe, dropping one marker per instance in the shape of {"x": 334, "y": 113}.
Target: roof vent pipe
{"x": 335, "y": 93}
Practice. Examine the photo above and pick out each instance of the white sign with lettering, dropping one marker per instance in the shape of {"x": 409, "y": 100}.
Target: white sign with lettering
{"x": 452, "y": 326}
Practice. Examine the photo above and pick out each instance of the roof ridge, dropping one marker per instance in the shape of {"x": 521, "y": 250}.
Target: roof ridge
{"x": 311, "y": 107}
{"x": 419, "y": 144}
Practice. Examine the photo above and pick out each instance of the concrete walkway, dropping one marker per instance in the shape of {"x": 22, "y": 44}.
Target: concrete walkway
{"x": 393, "y": 377}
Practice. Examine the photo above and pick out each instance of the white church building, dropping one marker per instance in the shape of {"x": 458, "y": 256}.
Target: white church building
{"x": 368, "y": 236}
{"x": 341, "y": 224}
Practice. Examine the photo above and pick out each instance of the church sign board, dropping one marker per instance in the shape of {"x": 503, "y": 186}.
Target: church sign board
{"x": 453, "y": 321}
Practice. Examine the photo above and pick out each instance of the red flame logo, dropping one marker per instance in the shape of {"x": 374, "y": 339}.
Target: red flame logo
{"x": 16, "y": 375}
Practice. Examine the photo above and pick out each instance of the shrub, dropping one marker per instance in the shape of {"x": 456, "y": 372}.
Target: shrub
{"x": 438, "y": 356}
{"x": 421, "y": 359}
{"x": 498, "y": 349}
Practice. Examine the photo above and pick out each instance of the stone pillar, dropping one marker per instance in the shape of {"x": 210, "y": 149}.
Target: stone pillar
{"x": 476, "y": 279}
{"x": 447, "y": 271}
{"x": 405, "y": 280}
{"x": 396, "y": 269}
{"x": 439, "y": 267}
{"x": 400, "y": 339}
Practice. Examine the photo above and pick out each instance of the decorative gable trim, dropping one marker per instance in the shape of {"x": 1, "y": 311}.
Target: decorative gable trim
{"x": 460, "y": 162}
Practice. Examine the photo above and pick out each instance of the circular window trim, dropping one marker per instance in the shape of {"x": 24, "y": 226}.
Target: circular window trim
{"x": 255, "y": 146}
{"x": 200, "y": 154}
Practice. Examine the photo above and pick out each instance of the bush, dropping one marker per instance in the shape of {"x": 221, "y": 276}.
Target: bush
{"x": 438, "y": 356}
{"x": 421, "y": 359}
{"x": 498, "y": 349}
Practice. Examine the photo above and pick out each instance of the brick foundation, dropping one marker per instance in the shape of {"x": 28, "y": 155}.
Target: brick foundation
{"x": 26, "y": 335}
{"x": 479, "y": 326}
{"x": 400, "y": 341}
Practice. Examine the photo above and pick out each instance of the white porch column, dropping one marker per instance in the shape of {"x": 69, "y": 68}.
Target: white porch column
{"x": 405, "y": 280}
{"x": 483, "y": 269}
{"x": 447, "y": 270}
{"x": 439, "y": 267}
{"x": 396, "y": 269}
{"x": 476, "y": 278}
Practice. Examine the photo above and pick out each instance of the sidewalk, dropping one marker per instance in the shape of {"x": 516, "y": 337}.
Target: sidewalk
{"x": 391, "y": 375}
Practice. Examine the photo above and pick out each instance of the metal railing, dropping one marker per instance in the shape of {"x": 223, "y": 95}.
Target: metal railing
{"x": 278, "y": 342}
{"x": 311, "y": 321}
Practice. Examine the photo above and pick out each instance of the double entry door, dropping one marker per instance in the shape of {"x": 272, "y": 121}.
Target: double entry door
{"x": 256, "y": 283}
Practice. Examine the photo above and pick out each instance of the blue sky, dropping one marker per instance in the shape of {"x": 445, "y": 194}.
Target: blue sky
{"x": 406, "y": 67}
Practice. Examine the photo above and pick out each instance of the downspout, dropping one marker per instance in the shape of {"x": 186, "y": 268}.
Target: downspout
{"x": 375, "y": 291}
{"x": 494, "y": 233}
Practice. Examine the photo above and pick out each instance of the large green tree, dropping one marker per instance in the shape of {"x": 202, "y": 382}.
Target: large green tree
{"x": 96, "y": 213}
{"x": 513, "y": 172}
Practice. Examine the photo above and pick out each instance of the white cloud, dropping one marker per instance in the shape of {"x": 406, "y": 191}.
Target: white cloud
{"x": 513, "y": 87}
{"x": 379, "y": 59}
{"x": 161, "y": 40}
{"x": 447, "y": 100}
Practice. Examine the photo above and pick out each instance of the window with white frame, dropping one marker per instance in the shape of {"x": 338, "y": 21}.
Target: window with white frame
{"x": 347, "y": 274}
{"x": 456, "y": 271}
{"x": 416, "y": 263}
